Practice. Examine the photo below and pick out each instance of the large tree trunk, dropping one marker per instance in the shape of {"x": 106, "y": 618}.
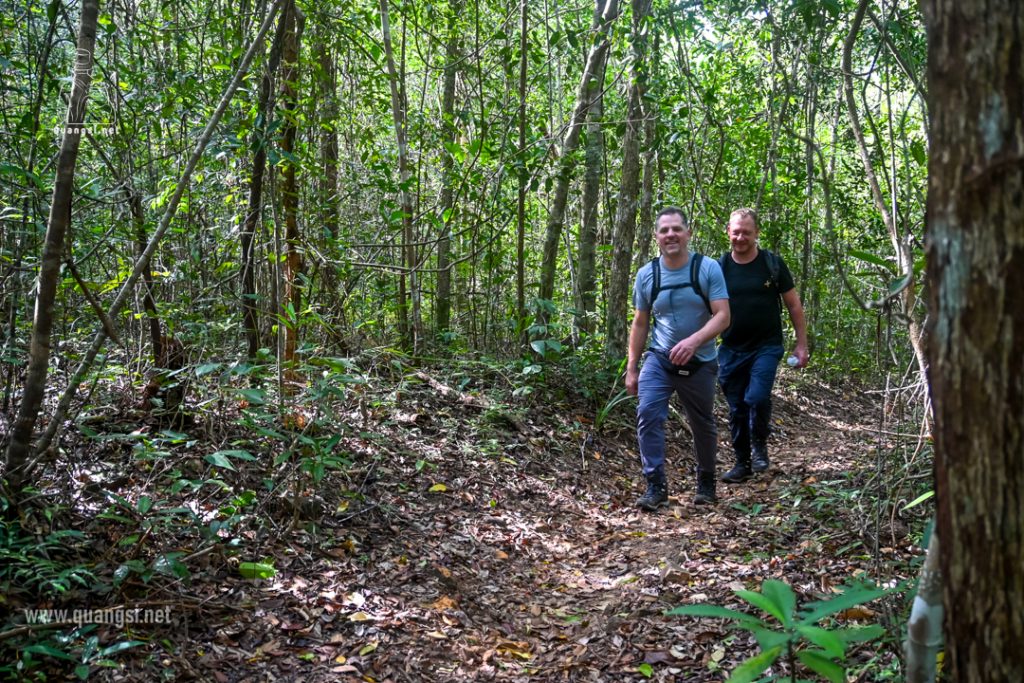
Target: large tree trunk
{"x": 606, "y": 13}
{"x": 616, "y": 322}
{"x": 975, "y": 248}
{"x": 53, "y": 250}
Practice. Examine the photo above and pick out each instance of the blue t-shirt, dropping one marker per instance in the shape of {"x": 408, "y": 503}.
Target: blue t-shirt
{"x": 678, "y": 313}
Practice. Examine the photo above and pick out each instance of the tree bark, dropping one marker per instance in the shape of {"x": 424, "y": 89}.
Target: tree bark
{"x": 165, "y": 223}
{"x": 53, "y": 250}
{"x": 625, "y": 218}
{"x": 607, "y": 12}
{"x": 293, "y": 20}
{"x": 453, "y": 56}
{"x": 594, "y": 165}
{"x": 901, "y": 242}
{"x": 408, "y": 301}
{"x": 975, "y": 250}
{"x": 524, "y": 179}
{"x": 254, "y": 211}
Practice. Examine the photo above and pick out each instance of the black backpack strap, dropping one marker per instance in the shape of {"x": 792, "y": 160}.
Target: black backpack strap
{"x": 695, "y": 279}
{"x": 655, "y": 279}
{"x": 774, "y": 267}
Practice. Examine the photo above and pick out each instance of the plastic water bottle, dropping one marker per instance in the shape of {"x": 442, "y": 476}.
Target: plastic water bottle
{"x": 792, "y": 361}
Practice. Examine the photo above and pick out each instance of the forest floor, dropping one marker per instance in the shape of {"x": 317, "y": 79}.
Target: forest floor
{"x": 471, "y": 540}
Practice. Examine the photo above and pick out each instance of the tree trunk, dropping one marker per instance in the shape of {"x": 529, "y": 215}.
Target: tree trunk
{"x": 293, "y": 20}
{"x": 254, "y": 211}
{"x": 408, "y": 307}
{"x": 975, "y": 249}
{"x": 650, "y": 156}
{"x": 606, "y": 13}
{"x": 592, "y": 176}
{"x": 901, "y": 241}
{"x": 53, "y": 250}
{"x": 625, "y": 217}
{"x": 451, "y": 71}
{"x": 524, "y": 178}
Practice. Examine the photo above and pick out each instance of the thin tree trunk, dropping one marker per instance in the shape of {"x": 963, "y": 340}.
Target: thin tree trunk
{"x": 451, "y": 71}
{"x": 650, "y": 157}
{"x": 524, "y": 179}
{"x": 143, "y": 262}
{"x": 592, "y": 176}
{"x": 254, "y": 210}
{"x": 53, "y": 249}
{"x": 900, "y": 241}
{"x": 590, "y": 86}
{"x": 408, "y": 287}
{"x": 975, "y": 257}
{"x": 293, "y": 20}
{"x": 625, "y": 217}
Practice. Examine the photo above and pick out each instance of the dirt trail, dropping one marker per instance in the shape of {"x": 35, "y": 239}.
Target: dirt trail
{"x": 499, "y": 546}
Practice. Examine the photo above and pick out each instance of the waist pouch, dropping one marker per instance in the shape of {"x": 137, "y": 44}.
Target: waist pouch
{"x": 691, "y": 366}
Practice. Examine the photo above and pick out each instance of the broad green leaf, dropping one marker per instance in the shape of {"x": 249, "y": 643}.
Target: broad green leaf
{"x": 646, "y": 670}
{"x": 819, "y": 662}
{"x": 48, "y": 651}
{"x": 826, "y": 640}
{"x": 873, "y": 259}
{"x": 256, "y": 397}
{"x": 850, "y": 597}
{"x": 917, "y": 501}
{"x": 782, "y": 596}
{"x": 438, "y": 488}
{"x": 749, "y": 670}
{"x": 763, "y": 602}
{"x": 257, "y": 570}
{"x": 715, "y": 611}
{"x": 899, "y": 284}
{"x": 119, "y": 647}
{"x": 767, "y": 638}
{"x": 206, "y": 368}
{"x": 218, "y": 459}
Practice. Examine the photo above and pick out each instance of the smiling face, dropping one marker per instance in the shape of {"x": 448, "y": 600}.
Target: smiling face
{"x": 743, "y": 232}
{"x": 673, "y": 236}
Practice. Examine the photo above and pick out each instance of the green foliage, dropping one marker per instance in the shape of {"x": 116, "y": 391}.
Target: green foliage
{"x": 794, "y": 632}
{"x": 34, "y": 563}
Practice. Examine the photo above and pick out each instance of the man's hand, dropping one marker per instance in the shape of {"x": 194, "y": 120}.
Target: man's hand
{"x": 802, "y": 356}
{"x": 681, "y": 353}
{"x": 632, "y": 381}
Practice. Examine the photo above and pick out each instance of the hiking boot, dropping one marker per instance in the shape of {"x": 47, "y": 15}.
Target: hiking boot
{"x": 656, "y": 495}
{"x": 705, "y": 489}
{"x": 759, "y": 458}
{"x": 740, "y": 472}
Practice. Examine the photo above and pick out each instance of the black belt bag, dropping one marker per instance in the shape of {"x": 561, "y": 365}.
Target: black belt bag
{"x": 685, "y": 370}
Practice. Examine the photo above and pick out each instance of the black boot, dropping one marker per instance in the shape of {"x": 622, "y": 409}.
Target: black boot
{"x": 657, "y": 492}
{"x": 705, "y": 489}
{"x": 740, "y": 472}
{"x": 759, "y": 457}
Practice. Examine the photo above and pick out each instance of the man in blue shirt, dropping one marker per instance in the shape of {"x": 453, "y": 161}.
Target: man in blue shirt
{"x": 753, "y": 345}
{"x": 682, "y": 358}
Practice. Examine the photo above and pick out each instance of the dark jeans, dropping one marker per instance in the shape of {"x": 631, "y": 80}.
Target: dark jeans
{"x": 697, "y": 393}
{"x": 746, "y": 378}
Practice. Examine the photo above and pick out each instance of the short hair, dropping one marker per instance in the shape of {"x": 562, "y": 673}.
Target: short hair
{"x": 670, "y": 210}
{"x": 745, "y": 213}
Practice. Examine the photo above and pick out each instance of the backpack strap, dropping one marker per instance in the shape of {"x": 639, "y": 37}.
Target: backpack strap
{"x": 695, "y": 279}
{"x": 774, "y": 267}
{"x": 694, "y": 282}
{"x": 771, "y": 259}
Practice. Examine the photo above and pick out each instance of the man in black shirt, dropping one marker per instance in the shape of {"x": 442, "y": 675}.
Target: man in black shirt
{"x": 753, "y": 345}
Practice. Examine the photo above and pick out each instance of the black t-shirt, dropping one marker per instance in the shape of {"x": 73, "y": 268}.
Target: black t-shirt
{"x": 755, "y": 303}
